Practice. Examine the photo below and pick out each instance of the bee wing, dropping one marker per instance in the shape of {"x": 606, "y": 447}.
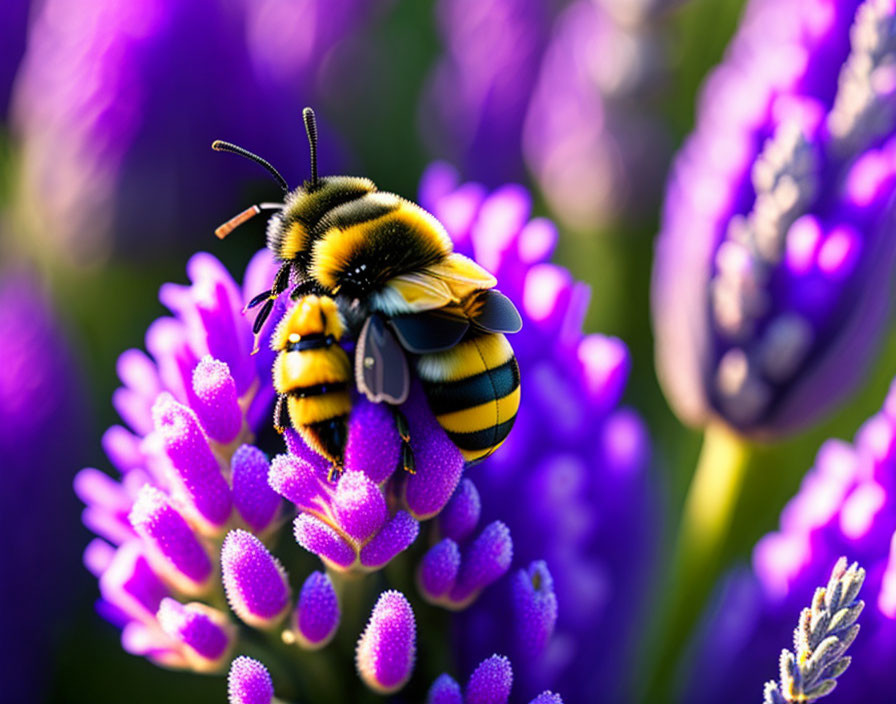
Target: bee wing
{"x": 422, "y": 292}
{"x": 497, "y": 313}
{"x": 462, "y": 274}
{"x": 428, "y": 332}
{"x": 381, "y": 368}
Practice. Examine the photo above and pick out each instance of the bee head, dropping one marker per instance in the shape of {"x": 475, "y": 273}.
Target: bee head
{"x": 310, "y": 316}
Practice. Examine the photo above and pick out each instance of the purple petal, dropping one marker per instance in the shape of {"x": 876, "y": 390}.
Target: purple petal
{"x": 461, "y": 514}
{"x": 317, "y": 537}
{"x": 249, "y": 682}
{"x": 131, "y": 585}
{"x": 317, "y": 613}
{"x": 483, "y": 562}
{"x": 438, "y": 569}
{"x": 359, "y": 506}
{"x": 253, "y": 497}
{"x": 254, "y": 581}
{"x": 373, "y": 442}
{"x": 387, "y": 647}
{"x": 397, "y": 535}
{"x": 297, "y": 481}
{"x": 205, "y": 632}
{"x": 215, "y": 400}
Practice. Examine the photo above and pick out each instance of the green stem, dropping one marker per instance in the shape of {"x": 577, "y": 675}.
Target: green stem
{"x": 698, "y": 553}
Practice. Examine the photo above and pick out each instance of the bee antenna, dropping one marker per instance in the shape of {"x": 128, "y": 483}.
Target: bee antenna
{"x": 311, "y": 129}
{"x": 220, "y": 146}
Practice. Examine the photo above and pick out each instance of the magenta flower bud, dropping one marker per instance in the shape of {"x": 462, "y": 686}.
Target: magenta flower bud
{"x": 317, "y": 614}
{"x": 445, "y": 690}
{"x": 438, "y": 569}
{"x": 297, "y": 481}
{"x": 255, "y": 582}
{"x": 215, "y": 400}
{"x": 196, "y": 470}
{"x": 205, "y": 633}
{"x": 438, "y": 461}
{"x": 249, "y": 682}
{"x": 490, "y": 683}
{"x": 534, "y": 609}
{"x": 461, "y": 514}
{"x": 386, "y": 649}
{"x": 130, "y": 586}
{"x": 396, "y": 536}
{"x": 173, "y": 547}
{"x": 317, "y": 537}
{"x": 359, "y": 506}
{"x": 373, "y": 442}
{"x": 254, "y": 499}
{"x": 483, "y": 562}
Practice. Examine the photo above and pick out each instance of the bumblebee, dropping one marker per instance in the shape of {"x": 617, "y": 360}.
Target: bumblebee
{"x": 402, "y": 292}
{"x": 312, "y": 373}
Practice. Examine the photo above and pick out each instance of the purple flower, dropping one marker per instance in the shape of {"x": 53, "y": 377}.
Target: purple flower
{"x": 775, "y": 250}
{"x": 387, "y": 647}
{"x": 42, "y": 428}
{"x": 590, "y": 138}
{"x": 569, "y": 483}
{"x": 101, "y": 100}
{"x": 846, "y": 505}
{"x": 490, "y": 683}
{"x": 249, "y": 682}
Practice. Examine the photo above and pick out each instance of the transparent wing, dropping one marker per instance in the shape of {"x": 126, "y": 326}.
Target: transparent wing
{"x": 381, "y": 368}
{"x": 497, "y": 313}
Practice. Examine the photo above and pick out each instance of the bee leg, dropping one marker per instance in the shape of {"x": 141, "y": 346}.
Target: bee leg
{"x": 281, "y": 282}
{"x": 334, "y": 469}
{"x": 406, "y": 455}
{"x": 279, "y": 426}
{"x": 303, "y": 288}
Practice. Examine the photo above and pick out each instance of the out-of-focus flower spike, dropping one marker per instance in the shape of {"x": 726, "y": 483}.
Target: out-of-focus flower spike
{"x": 490, "y": 683}
{"x": 534, "y": 609}
{"x": 396, "y": 536}
{"x": 438, "y": 570}
{"x": 825, "y": 631}
{"x": 461, "y": 514}
{"x": 131, "y": 586}
{"x": 388, "y": 645}
{"x": 445, "y": 690}
{"x": 249, "y": 682}
{"x": 197, "y": 472}
{"x": 172, "y": 546}
{"x": 317, "y": 537}
{"x": 605, "y": 363}
{"x": 254, "y": 499}
{"x": 205, "y": 634}
{"x": 107, "y": 505}
{"x": 317, "y": 614}
{"x": 215, "y": 400}
{"x": 255, "y": 582}
{"x": 486, "y": 559}
{"x": 359, "y": 506}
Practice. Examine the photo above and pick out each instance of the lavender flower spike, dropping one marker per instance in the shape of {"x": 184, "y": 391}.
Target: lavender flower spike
{"x": 825, "y": 631}
{"x": 249, "y": 682}
{"x": 775, "y": 254}
{"x": 490, "y": 683}
{"x": 255, "y": 582}
{"x": 386, "y": 649}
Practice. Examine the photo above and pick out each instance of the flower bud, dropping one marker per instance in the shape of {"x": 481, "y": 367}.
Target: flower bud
{"x": 438, "y": 570}
{"x": 254, "y": 580}
{"x": 386, "y": 649}
{"x": 317, "y": 614}
{"x": 249, "y": 682}
{"x": 484, "y": 561}
{"x": 490, "y": 683}
{"x": 173, "y": 547}
{"x": 317, "y": 537}
{"x": 461, "y": 514}
{"x": 205, "y": 634}
{"x": 534, "y": 609}
{"x": 359, "y": 506}
{"x": 445, "y": 690}
{"x": 254, "y": 499}
{"x": 215, "y": 400}
{"x": 395, "y": 537}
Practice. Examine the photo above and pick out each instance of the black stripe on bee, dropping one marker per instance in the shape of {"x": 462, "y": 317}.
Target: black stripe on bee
{"x": 317, "y": 389}
{"x": 368, "y": 207}
{"x": 480, "y": 388}
{"x": 314, "y": 341}
{"x": 482, "y": 439}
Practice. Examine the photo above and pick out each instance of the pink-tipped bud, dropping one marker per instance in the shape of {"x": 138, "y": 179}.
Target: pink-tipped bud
{"x": 205, "y": 634}
{"x": 172, "y": 547}
{"x": 317, "y": 613}
{"x": 386, "y": 649}
{"x": 249, "y": 682}
{"x": 255, "y": 582}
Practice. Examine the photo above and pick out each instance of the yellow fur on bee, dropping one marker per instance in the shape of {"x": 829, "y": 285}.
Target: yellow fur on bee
{"x": 485, "y": 415}
{"x": 462, "y": 274}
{"x": 332, "y": 252}
{"x": 295, "y": 241}
{"x": 293, "y": 370}
{"x": 304, "y": 411}
{"x": 465, "y": 359}
{"x": 311, "y": 315}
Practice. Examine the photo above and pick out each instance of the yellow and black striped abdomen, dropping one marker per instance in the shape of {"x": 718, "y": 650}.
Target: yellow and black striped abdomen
{"x": 474, "y": 391}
